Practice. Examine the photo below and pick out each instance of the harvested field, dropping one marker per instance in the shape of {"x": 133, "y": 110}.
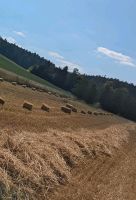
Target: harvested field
{"x": 58, "y": 156}
{"x": 108, "y": 176}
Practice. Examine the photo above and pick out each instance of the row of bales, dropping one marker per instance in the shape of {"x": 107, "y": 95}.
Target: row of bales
{"x": 29, "y": 106}
{"x": 39, "y": 89}
{"x": 33, "y": 87}
{"x": 28, "y": 86}
{"x": 68, "y": 108}
{"x": 15, "y": 83}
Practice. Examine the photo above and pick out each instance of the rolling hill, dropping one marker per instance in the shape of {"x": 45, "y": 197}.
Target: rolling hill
{"x": 12, "y": 67}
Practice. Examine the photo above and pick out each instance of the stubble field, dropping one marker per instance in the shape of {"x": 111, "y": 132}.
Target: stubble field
{"x": 62, "y": 156}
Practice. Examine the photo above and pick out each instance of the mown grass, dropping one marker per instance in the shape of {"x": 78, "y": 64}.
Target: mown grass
{"x": 10, "y": 66}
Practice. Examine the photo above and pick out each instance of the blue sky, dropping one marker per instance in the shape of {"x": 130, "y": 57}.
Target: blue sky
{"x": 96, "y": 36}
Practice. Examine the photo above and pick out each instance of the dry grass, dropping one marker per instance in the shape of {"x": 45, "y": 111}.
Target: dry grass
{"x": 34, "y": 164}
{"x": 38, "y": 150}
{"x": 110, "y": 172}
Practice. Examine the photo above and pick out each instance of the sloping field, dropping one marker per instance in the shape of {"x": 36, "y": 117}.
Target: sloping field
{"x": 10, "y": 69}
{"x": 60, "y": 156}
{"x": 9, "y": 65}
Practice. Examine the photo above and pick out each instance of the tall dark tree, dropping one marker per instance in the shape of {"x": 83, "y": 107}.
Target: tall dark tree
{"x": 106, "y": 99}
{"x": 91, "y": 94}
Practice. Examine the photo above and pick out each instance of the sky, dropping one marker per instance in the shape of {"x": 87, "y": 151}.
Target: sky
{"x": 96, "y": 36}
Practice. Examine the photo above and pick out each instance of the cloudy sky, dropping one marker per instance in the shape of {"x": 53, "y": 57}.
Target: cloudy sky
{"x": 96, "y": 36}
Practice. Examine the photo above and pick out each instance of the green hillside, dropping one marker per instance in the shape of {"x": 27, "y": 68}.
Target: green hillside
{"x": 10, "y": 66}
{"x": 7, "y": 64}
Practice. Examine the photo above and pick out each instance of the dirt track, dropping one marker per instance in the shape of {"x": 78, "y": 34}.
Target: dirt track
{"x": 105, "y": 178}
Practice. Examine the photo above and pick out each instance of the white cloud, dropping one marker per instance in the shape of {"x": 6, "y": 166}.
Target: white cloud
{"x": 71, "y": 65}
{"x": 117, "y": 56}
{"x": 55, "y": 55}
{"x": 19, "y": 33}
{"x": 62, "y": 62}
{"x": 10, "y": 39}
{"x": 19, "y": 45}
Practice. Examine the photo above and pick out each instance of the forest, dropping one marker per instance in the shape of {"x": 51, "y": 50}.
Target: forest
{"x": 110, "y": 94}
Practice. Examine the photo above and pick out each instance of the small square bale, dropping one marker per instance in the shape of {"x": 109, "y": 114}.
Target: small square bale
{"x": 2, "y": 102}
{"x": 90, "y": 112}
{"x": 65, "y": 109}
{"x": 1, "y": 79}
{"x": 14, "y": 83}
{"x": 28, "y": 106}
{"x": 83, "y": 112}
{"x": 45, "y": 107}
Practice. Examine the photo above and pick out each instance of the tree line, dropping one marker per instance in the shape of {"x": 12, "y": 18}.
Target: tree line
{"x": 111, "y": 94}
